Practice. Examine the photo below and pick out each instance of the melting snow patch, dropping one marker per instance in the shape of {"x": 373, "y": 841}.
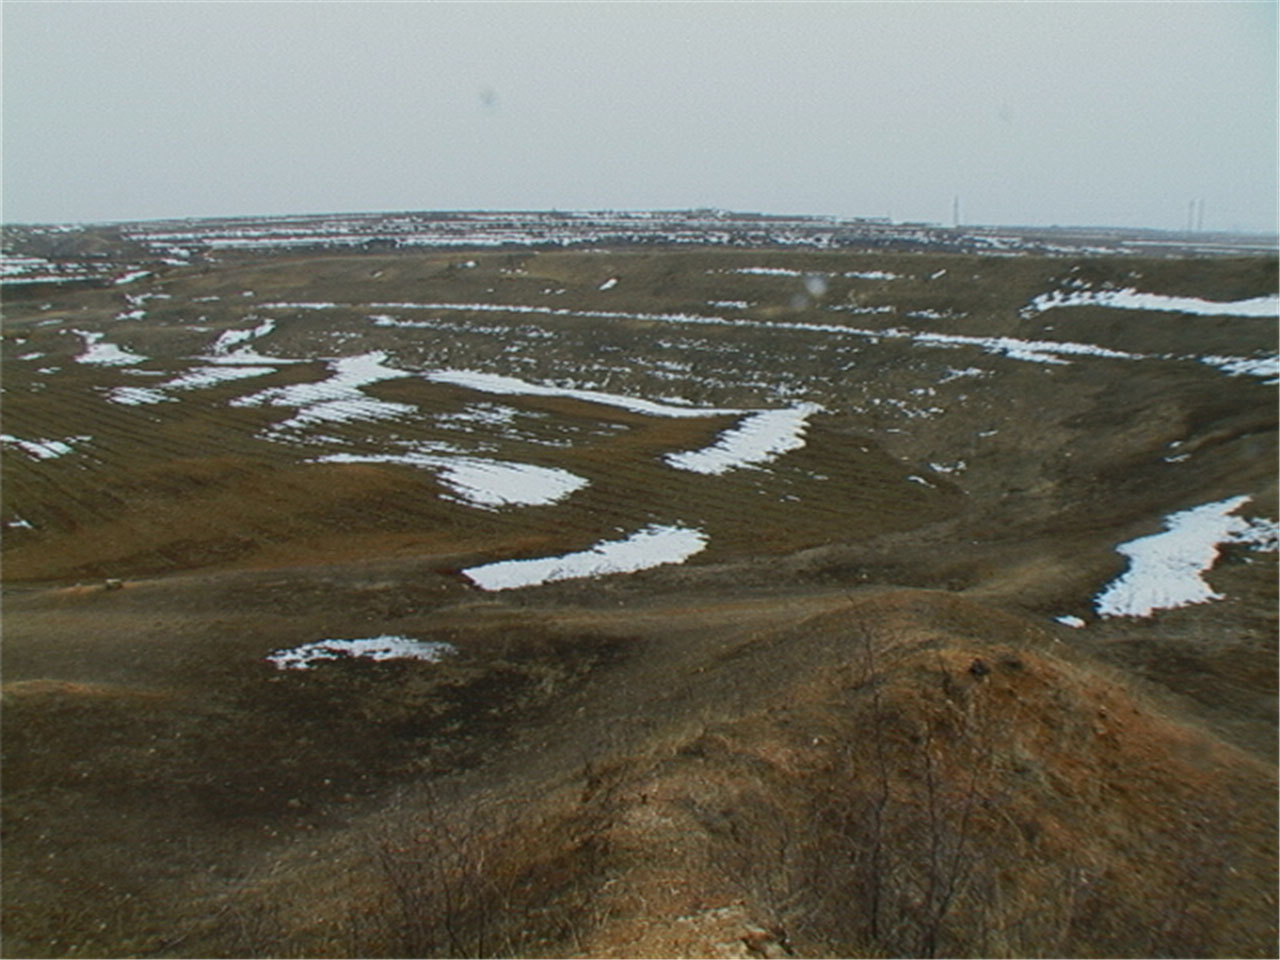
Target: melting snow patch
{"x": 653, "y": 546}
{"x": 131, "y": 276}
{"x": 43, "y": 449}
{"x": 862, "y": 311}
{"x": 295, "y": 306}
{"x": 234, "y": 338}
{"x": 337, "y": 399}
{"x": 1265, "y": 367}
{"x": 480, "y": 414}
{"x": 609, "y": 284}
{"x": 200, "y": 377}
{"x": 1165, "y": 569}
{"x": 482, "y": 483}
{"x": 1035, "y": 351}
{"x": 344, "y": 410}
{"x": 760, "y": 438}
{"x": 492, "y": 483}
{"x": 769, "y": 271}
{"x": 954, "y": 374}
{"x": 386, "y": 647}
{"x": 104, "y": 354}
{"x": 1130, "y": 299}
{"x": 512, "y": 386}
{"x": 137, "y": 396}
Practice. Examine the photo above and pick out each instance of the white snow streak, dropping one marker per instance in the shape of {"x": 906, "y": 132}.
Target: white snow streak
{"x": 480, "y": 482}
{"x": 385, "y": 647}
{"x": 336, "y": 400}
{"x": 137, "y": 396}
{"x": 763, "y": 436}
{"x": 1166, "y": 569}
{"x": 760, "y": 438}
{"x": 105, "y": 354}
{"x": 513, "y": 386}
{"x": 653, "y": 546}
{"x": 1131, "y": 299}
{"x": 199, "y": 377}
{"x": 44, "y": 449}
{"x": 234, "y": 338}
{"x": 1265, "y": 367}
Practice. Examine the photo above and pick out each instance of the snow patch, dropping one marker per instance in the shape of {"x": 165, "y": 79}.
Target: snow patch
{"x": 326, "y": 305}
{"x": 760, "y": 438}
{"x": 480, "y": 482}
{"x": 653, "y": 546}
{"x": 873, "y": 275}
{"x": 44, "y": 449}
{"x": 1131, "y": 299}
{"x": 768, "y": 271}
{"x": 1267, "y": 368}
{"x": 954, "y": 374}
{"x": 137, "y": 396}
{"x": 105, "y": 354}
{"x": 1166, "y": 569}
{"x": 234, "y": 338}
{"x": 199, "y": 377}
{"x": 513, "y": 386}
{"x": 336, "y": 400}
{"x": 385, "y": 647}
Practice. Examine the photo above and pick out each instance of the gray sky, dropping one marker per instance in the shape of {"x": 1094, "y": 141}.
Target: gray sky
{"x": 1033, "y": 113}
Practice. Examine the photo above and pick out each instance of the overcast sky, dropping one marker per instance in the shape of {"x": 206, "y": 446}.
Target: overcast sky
{"x": 1032, "y": 113}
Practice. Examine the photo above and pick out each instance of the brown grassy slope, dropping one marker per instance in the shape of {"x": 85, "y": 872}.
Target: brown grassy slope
{"x": 852, "y": 785}
{"x": 727, "y": 757}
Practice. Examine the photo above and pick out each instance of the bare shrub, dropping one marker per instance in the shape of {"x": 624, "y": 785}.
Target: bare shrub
{"x": 479, "y": 878}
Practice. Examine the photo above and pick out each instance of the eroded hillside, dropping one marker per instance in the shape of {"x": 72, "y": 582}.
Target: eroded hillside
{"x": 628, "y": 601}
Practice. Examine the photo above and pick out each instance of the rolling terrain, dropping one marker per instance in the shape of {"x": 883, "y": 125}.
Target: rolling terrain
{"x": 637, "y": 585}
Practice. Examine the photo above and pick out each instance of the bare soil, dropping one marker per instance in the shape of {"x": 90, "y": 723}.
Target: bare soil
{"x": 850, "y": 727}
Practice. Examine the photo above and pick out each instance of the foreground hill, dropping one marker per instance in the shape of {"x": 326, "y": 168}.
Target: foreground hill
{"x": 838, "y": 634}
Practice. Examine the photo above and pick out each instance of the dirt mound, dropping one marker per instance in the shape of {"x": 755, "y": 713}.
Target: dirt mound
{"x": 922, "y": 777}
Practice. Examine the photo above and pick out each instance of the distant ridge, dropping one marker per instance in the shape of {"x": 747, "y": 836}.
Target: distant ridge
{"x": 58, "y": 252}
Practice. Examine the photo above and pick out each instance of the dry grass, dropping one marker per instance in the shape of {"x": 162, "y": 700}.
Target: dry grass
{"x": 776, "y": 749}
